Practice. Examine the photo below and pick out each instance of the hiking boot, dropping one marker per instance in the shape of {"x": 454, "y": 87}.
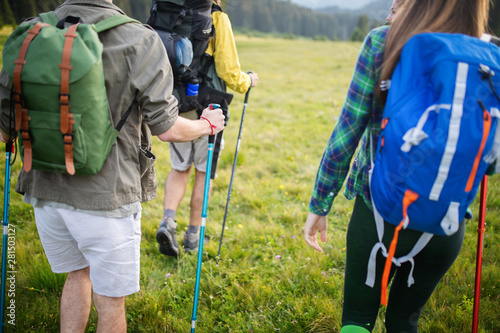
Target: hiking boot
{"x": 192, "y": 241}
{"x": 166, "y": 237}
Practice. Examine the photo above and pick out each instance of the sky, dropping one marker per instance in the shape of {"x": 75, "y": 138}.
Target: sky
{"x": 351, "y": 4}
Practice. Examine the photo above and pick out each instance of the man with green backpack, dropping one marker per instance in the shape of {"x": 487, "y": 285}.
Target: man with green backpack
{"x": 84, "y": 88}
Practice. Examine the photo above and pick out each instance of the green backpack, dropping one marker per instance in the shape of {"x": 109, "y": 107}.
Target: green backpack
{"x": 59, "y": 94}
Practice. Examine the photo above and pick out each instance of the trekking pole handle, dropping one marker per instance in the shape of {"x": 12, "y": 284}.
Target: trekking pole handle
{"x": 248, "y": 91}
{"x": 212, "y": 106}
{"x": 9, "y": 146}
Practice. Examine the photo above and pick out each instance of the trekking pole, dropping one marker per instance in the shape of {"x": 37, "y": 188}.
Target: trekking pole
{"x": 9, "y": 148}
{"x": 206, "y": 192}
{"x": 232, "y": 173}
{"x": 479, "y": 257}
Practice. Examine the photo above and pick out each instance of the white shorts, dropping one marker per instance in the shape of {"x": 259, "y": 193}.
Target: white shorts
{"x": 73, "y": 240}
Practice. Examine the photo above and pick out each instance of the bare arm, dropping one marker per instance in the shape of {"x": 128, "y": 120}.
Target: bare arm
{"x": 187, "y": 130}
{"x": 3, "y": 136}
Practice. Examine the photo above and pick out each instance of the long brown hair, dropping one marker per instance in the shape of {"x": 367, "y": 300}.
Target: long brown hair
{"x": 469, "y": 17}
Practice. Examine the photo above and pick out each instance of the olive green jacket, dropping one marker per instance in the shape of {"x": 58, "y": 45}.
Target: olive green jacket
{"x": 136, "y": 70}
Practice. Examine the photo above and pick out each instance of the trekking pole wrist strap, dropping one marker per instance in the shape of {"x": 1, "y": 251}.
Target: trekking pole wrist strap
{"x": 211, "y": 125}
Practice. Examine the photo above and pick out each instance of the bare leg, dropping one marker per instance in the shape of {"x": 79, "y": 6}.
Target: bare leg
{"x": 197, "y": 197}
{"x": 76, "y": 300}
{"x": 111, "y": 314}
{"x": 175, "y": 188}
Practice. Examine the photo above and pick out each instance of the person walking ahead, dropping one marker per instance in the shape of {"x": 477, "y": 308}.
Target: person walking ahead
{"x": 223, "y": 70}
{"x": 90, "y": 226}
{"x": 361, "y": 118}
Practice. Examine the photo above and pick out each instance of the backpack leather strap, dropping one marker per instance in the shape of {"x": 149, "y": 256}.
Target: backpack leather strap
{"x": 22, "y": 118}
{"x": 67, "y": 120}
{"x": 25, "y": 136}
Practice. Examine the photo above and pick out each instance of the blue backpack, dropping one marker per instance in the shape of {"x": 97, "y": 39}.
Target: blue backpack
{"x": 438, "y": 136}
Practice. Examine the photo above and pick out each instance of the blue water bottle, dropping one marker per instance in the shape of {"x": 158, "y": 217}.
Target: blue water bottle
{"x": 184, "y": 53}
{"x": 192, "y": 87}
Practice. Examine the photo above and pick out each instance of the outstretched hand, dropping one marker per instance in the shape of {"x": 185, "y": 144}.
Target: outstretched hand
{"x": 315, "y": 223}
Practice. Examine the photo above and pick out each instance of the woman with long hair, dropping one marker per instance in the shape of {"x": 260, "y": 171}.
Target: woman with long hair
{"x": 359, "y": 123}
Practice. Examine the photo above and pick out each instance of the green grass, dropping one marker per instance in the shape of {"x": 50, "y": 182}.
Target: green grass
{"x": 288, "y": 121}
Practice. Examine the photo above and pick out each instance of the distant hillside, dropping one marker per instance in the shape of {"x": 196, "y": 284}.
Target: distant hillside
{"x": 281, "y": 17}
{"x": 377, "y": 10}
{"x": 284, "y": 17}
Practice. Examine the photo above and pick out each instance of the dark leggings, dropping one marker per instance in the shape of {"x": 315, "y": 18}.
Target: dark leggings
{"x": 361, "y": 303}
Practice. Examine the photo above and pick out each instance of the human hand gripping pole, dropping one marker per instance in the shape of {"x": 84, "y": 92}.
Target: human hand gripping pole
{"x": 9, "y": 148}
{"x": 234, "y": 167}
{"x": 214, "y": 117}
{"x": 211, "y": 139}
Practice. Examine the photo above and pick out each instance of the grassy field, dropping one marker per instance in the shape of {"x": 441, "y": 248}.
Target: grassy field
{"x": 268, "y": 280}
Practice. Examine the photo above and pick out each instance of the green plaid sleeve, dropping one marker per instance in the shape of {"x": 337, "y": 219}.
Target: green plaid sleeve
{"x": 354, "y": 117}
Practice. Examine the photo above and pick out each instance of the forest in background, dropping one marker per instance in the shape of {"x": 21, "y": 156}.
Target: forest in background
{"x": 278, "y": 17}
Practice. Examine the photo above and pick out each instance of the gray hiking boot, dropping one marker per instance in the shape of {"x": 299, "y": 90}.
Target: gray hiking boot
{"x": 192, "y": 241}
{"x": 166, "y": 237}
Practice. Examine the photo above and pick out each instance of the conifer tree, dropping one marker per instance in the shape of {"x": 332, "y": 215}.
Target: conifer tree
{"x": 6, "y": 15}
{"x": 23, "y": 9}
{"x": 494, "y": 22}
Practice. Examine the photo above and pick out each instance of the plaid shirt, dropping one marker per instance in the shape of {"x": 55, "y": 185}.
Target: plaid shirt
{"x": 359, "y": 121}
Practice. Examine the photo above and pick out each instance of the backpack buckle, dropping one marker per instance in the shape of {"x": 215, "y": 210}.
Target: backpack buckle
{"x": 25, "y": 135}
{"x": 68, "y": 138}
{"x": 18, "y": 98}
{"x": 486, "y": 72}
{"x": 64, "y": 99}
{"x": 385, "y": 85}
